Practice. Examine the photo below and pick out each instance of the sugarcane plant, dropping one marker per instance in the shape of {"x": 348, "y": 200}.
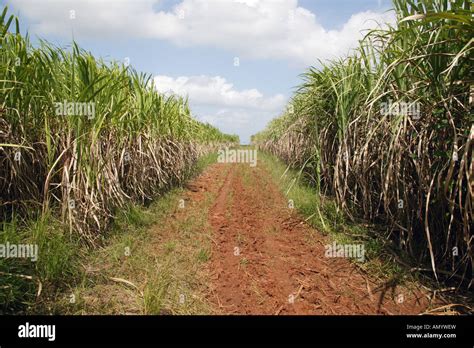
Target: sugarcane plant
{"x": 81, "y": 137}
{"x": 388, "y": 132}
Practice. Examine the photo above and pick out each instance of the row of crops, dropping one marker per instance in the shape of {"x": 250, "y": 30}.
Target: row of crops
{"x": 81, "y": 137}
{"x": 388, "y": 132}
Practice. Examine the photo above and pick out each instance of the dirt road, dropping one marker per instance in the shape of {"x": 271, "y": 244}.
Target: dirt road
{"x": 266, "y": 260}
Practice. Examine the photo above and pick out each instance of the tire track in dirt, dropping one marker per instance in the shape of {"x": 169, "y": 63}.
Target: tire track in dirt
{"x": 266, "y": 260}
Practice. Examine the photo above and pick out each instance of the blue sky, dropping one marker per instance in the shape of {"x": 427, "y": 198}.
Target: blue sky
{"x": 190, "y": 46}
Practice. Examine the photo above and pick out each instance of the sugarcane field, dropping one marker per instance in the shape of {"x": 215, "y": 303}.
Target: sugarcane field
{"x": 265, "y": 166}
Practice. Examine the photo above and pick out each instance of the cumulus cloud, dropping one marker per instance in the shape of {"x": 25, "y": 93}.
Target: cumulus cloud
{"x": 256, "y": 29}
{"x": 215, "y": 100}
{"x": 276, "y": 29}
{"x": 217, "y": 91}
{"x": 236, "y": 120}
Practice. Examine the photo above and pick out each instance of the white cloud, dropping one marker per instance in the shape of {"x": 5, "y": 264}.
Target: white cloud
{"x": 275, "y": 29}
{"x": 215, "y": 100}
{"x": 217, "y": 91}
{"x": 259, "y": 29}
{"x": 243, "y": 122}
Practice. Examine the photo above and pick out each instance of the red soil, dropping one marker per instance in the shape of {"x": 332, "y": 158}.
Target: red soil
{"x": 266, "y": 260}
